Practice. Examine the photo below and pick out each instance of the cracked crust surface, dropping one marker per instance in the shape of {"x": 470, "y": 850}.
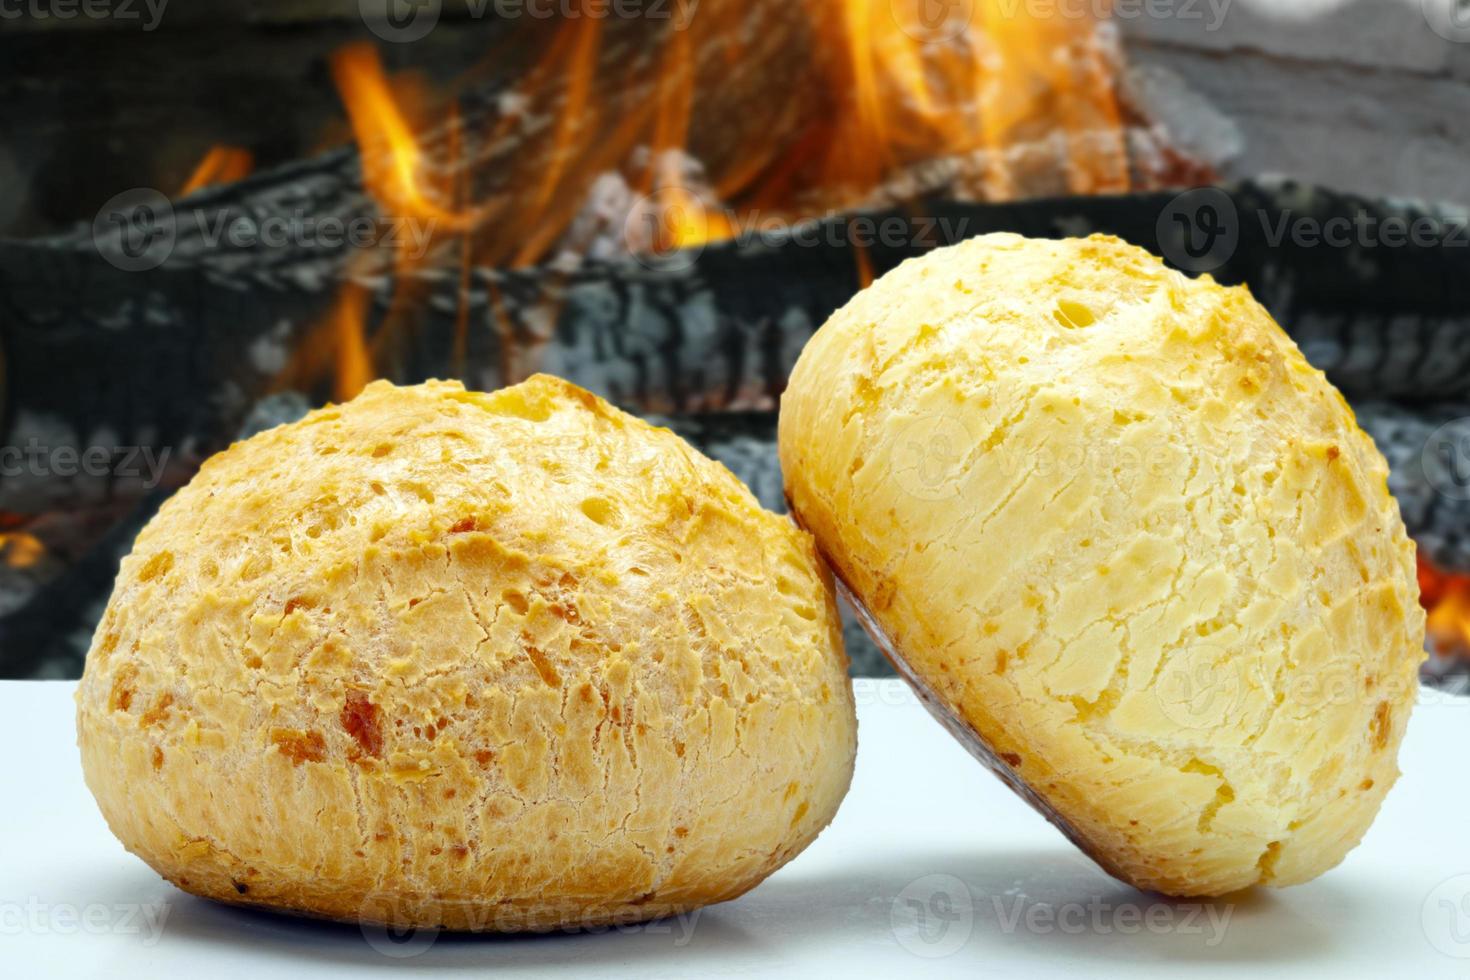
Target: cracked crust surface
{"x": 1123, "y": 530}
{"x": 488, "y": 661}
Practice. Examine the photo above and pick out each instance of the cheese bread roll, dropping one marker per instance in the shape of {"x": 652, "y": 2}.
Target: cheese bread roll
{"x": 440, "y": 658}
{"x": 1129, "y": 542}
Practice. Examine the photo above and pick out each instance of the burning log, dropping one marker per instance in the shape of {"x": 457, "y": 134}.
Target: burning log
{"x": 188, "y": 347}
{"x": 215, "y": 328}
{"x": 1447, "y": 598}
{"x": 171, "y": 360}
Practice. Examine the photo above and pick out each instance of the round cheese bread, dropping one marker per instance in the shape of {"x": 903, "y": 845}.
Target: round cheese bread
{"x": 438, "y": 658}
{"x": 1128, "y": 540}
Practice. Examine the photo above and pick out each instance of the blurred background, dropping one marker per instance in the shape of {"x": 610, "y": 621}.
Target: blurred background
{"x": 215, "y": 215}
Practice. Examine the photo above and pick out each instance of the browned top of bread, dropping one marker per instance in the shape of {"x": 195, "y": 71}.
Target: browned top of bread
{"x": 515, "y": 651}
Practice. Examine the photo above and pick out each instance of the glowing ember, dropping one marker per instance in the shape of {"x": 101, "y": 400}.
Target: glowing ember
{"x": 20, "y": 550}
{"x": 1446, "y": 597}
{"x": 221, "y": 165}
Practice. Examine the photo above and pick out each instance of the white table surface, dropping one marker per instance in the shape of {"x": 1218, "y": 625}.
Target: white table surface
{"x": 932, "y": 866}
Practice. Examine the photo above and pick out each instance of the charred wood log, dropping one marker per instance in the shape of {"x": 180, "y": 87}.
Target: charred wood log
{"x": 173, "y": 357}
{"x": 169, "y": 361}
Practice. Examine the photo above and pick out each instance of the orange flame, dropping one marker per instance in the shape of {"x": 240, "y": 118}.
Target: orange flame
{"x": 864, "y": 264}
{"x": 1446, "y": 598}
{"x": 21, "y": 550}
{"x": 395, "y": 168}
{"x": 891, "y": 98}
{"x": 336, "y": 348}
{"x": 221, "y": 165}
{"x": 354, "y": 362}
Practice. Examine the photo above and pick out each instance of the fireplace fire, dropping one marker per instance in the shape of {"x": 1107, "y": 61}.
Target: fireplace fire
{"x": 660, "y": 208}
{"x": 1446, "y": 596}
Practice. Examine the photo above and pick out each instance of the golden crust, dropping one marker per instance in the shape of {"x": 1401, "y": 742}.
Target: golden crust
{"x": 488, "y": 661}
{"x": 1117, "y": 523}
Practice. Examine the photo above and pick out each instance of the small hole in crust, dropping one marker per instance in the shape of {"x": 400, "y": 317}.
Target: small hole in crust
{"x": 158, "y": 565}
{"x": 1070, "y": 313}
{"x": 1381, "y": 725}
{"x": 600, "y": 511}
